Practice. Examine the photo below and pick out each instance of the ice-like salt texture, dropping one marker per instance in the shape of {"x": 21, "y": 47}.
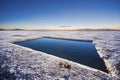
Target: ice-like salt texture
{"x": 18, "y": 62}
{"x": 80, "y": 51}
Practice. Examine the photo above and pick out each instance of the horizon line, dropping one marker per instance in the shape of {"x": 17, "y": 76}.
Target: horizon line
{"x": 55, "y": 29}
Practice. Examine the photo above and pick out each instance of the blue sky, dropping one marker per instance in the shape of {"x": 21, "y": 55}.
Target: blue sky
{"x": 55, "y": 13}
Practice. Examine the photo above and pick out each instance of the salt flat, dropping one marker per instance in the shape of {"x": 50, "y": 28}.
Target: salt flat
{"x": 18, "y": 62}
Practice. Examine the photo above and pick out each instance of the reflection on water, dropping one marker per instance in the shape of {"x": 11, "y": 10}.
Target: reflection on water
{"x": 82, "y": 52}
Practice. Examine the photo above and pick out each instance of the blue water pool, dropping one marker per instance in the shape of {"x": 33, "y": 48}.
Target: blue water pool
{"x": 82, "y": 52}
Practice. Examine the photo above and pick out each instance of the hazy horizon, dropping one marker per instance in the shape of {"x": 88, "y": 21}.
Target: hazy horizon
{"x": 61, "y": 29}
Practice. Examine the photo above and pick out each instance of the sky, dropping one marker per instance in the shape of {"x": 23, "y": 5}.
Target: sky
{"x": 37, "y": 14}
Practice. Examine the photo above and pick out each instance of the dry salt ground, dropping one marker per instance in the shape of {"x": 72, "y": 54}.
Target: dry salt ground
{"x": 21, "y": 63}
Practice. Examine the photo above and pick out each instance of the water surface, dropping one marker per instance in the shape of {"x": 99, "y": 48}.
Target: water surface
{"x": 82, "y": 52}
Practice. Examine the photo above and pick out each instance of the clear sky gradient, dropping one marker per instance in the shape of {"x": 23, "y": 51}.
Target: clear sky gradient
{"x": 54, "y": 13}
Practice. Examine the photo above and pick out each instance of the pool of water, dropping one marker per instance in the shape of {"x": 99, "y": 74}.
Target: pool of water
{"x": 82, "y": 52}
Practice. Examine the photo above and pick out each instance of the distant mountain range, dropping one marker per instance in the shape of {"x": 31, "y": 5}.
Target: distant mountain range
{"x": 61, "y": 30}
{"x": 11, "y": 29}
{"x": 98, "y": 30}
{"x": 18, "y": 29}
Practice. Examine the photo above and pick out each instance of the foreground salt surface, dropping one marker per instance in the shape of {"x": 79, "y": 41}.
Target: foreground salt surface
{"x": 17, "y": 62}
